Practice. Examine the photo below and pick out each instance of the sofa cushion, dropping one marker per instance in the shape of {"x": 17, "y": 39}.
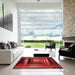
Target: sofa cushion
{"x": 16, "y": 52}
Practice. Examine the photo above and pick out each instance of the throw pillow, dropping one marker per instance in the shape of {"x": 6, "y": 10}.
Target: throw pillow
{"x": 72, "y": 48}
{"x": 9, "y": 46}
{"x": 71, "y": 45}
{"x": 0, "y": 45}
{"x": 3, "y": 45}
{"x": 13, "y": 44}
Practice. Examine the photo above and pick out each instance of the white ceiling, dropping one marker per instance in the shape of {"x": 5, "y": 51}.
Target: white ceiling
{"x": 34, "y": 4}
{"x": 30, "y": 1}
{"x": 39, "y": 6}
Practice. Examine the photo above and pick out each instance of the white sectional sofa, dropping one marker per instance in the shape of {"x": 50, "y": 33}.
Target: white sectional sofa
{"x": 7, "y": 56}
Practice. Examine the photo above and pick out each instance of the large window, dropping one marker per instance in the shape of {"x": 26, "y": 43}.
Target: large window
{"x": 40, "y": 24}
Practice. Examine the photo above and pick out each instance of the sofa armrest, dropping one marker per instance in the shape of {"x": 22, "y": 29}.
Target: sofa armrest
{"x": 6, "y": 56}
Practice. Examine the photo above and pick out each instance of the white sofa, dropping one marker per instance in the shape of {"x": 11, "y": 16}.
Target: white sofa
{"x": 9, "y": 55}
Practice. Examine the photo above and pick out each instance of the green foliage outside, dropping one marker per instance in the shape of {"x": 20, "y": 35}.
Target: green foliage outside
{"x": 40, "y": 44}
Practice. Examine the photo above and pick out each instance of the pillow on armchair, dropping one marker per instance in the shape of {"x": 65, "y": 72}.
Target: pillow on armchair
{"x": 72, "y": 48}
{"x": 71, "y": 45}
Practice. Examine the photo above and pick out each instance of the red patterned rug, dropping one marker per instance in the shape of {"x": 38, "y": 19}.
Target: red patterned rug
{"x": 37, "y": 62}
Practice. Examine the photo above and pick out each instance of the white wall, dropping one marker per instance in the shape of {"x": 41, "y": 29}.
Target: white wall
{"x": 6, "y": 35}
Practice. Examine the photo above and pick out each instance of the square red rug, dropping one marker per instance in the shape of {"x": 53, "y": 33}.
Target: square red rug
{"x": 37, "y": 62}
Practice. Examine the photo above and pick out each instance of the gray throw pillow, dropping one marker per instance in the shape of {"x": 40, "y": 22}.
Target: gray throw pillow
{"x": 9, "y": 46}
{"x": 13, "y": 44}
{"x": 3, "y": 45}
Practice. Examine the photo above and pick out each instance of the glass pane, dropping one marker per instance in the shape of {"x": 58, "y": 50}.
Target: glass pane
{"x": 38, "y": 26}
{"x": 44, "y": 33}
{"x": 41, "y": 23}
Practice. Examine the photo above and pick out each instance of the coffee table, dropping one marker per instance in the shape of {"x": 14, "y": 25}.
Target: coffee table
{"x": 40, "y": 53}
